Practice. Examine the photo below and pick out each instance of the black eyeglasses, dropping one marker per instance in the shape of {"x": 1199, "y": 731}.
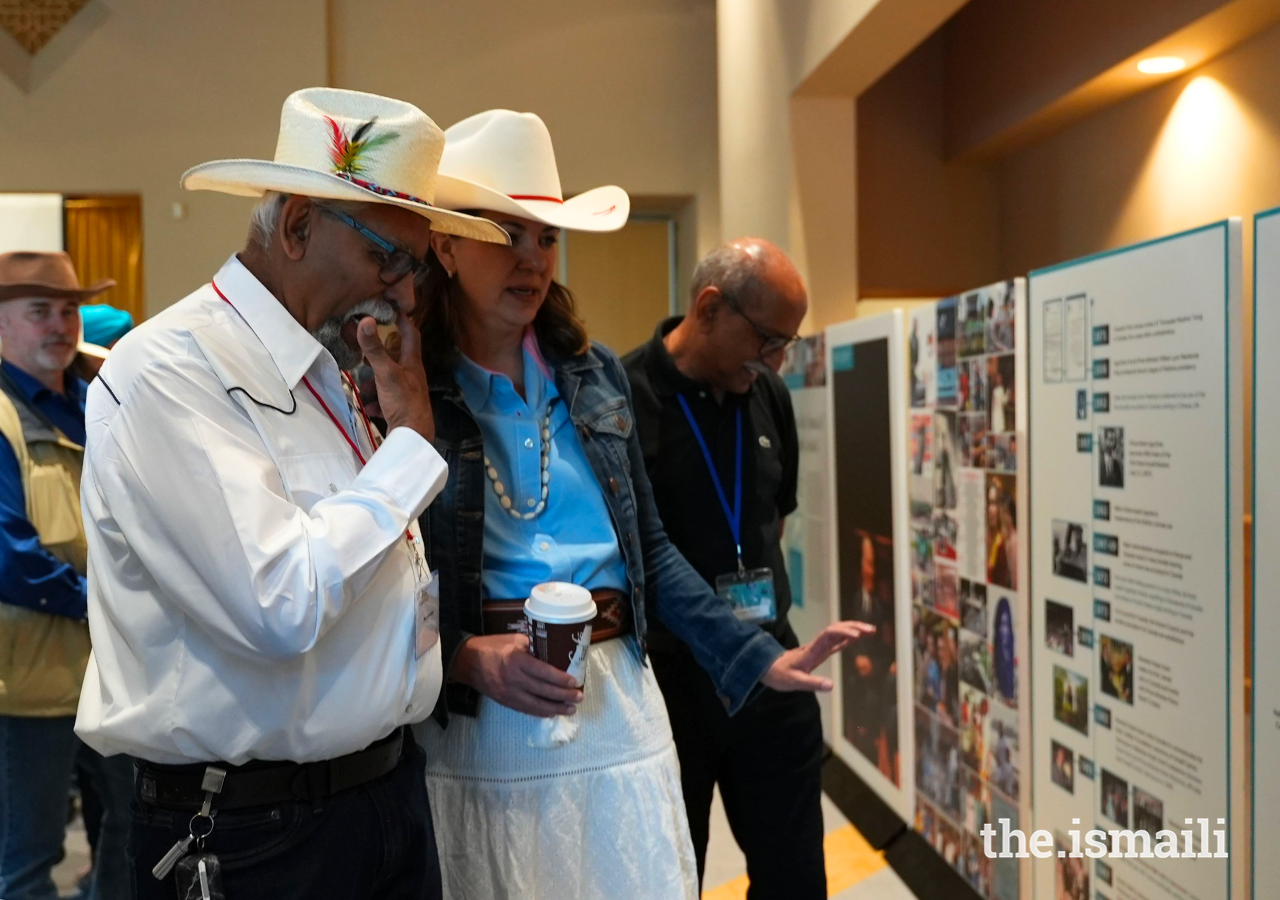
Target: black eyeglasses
{"x": 771, "y": 343}
{"x": 397, "y": 264}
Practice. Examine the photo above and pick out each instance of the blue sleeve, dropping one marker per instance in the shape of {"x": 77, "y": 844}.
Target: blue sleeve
{"x": 34, "y": 577}
{"x": 734, "y": 653}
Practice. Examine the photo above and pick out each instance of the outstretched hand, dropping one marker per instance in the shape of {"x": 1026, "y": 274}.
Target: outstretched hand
{"x": 793, "y": 670}
{"x": 403, "y": 395}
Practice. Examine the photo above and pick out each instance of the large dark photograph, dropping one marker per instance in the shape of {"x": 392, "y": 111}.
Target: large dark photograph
{"x": 864, "y": 522}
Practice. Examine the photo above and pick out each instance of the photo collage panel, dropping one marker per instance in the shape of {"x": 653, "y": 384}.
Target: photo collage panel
{"x": 962, "y": 473}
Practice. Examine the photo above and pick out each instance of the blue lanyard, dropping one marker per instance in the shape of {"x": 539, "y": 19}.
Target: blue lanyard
{"x": 734, "y": 514}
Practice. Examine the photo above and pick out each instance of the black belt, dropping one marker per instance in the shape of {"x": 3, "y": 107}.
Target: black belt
{"x": 267, "y": 783}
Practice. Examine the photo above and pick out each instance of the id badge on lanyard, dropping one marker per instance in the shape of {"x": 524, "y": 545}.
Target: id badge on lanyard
{"x": 750, "y": 592}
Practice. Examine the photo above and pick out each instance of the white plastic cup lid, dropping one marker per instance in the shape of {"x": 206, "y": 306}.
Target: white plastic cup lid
{"x": 560, "y": 603}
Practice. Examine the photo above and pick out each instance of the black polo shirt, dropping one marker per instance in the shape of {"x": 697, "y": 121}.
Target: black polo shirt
{"x": 682, "y": 487}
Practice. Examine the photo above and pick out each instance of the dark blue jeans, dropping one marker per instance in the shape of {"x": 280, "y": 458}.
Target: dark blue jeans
{"x": 35, "y": 778}
{"x": 373, "y": 842}
{"x": 36, "y": 760}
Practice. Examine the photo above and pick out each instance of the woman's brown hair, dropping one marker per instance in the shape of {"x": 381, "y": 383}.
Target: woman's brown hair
{"x": 560, "y": 332}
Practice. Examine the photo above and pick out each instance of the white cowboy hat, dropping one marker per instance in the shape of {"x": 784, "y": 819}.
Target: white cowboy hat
{"x": 503, "y": 161}
{"x": 347, "y": 145}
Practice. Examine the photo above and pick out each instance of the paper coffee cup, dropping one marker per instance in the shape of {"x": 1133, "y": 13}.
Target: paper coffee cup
{"x": 560, "y": 617}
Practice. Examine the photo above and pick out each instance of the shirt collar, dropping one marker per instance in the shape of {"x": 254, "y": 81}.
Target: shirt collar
{"x": 35, "y": 391}
{"x": 665, "y": 376}
{"x": 291, "y": 346}
{"x": 477, "y": 382}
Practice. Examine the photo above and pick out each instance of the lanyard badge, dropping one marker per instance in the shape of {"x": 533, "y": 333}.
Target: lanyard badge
{"x": 750, "y": 592}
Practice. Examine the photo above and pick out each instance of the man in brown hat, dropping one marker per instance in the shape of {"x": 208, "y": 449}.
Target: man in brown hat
{"x": 42, "y": 593}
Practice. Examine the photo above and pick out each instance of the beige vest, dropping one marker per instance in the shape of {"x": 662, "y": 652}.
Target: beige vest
{"x": 43, "y": 657}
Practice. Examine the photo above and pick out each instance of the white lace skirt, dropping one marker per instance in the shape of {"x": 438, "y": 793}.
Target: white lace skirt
{"x": 601, "y": 816}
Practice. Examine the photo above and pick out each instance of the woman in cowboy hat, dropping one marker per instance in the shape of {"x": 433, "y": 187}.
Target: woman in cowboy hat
{"x": 547, "y": 483}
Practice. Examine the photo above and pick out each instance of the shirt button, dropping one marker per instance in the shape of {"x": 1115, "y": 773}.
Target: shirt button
{"x": 528, "y": 442}
{"x": 613, "y": 485}
{"x": 544, "y": 546}
{"x": 333, "y": 489}
{"x": 530, "y": 503}
{"x": 44, "y": 602}
{"x": 409, "y": 708}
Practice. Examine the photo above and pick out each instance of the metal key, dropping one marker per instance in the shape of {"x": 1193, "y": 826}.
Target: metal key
{"x": 169, "y": 860}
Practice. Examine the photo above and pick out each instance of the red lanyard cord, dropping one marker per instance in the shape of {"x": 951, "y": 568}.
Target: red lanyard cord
{"x": 325, "y": 406}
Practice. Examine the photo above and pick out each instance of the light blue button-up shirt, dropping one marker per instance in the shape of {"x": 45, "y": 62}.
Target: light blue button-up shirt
{"x": 573, "y": 538}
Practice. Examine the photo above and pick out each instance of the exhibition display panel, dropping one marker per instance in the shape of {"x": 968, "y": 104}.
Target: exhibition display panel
{"x": 1136, "y": 528}
{"x": 806, "y": 540}
{"x": 868, "y": 552}
{"x": 967, "y": 473}
{"x": 1266, "y": 565}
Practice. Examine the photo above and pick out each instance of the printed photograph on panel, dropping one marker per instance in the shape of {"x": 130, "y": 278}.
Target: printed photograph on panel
{"x": 945, "y": 460}
{"x": 946, "y": 340}
{"x": 1115, "y": 798}
{"x": 1111, "y": 457}
{"x": 1001, "y": 312}
{"x": 1004, "y": 653}
{"x": 1002, "y": 531}
{"x": 1059, "y": 627}
{"x": 937, "y": 671}
{"x": 1071, "y": 873}
{"x": 1071, "y": 699}
{"x": 972, "y": 333}
{"x": 1070, "y": 550}
{"x": 1062, "y": 766}
{"x": 1000, "y": 394}
{"x": 864, "y": 518}
{"x": 1115, "y": 659}
{"x": 1148, "y": 812}
{"x": 938, "y": 769}
{"x": 923, "y": 357}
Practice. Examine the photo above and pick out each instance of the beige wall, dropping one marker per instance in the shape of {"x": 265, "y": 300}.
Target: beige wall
{"x": 156, "y": 87}
{"x": 150, "y": 87}
{"x": 627, "y": 87}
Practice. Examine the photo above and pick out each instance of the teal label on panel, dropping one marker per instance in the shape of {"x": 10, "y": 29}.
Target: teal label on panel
{"x": 1101, "y": 335}
{"x": 1084, "y": 443}
{"x": 1102, "y": 510}
{"x": 1084, "y": 637}
{"x": 1101, "y": 576}
{"x": 1106, "y": 543}
{"x": 1101, "y": 368}
{"x": 795, "y": 574}
{"x": 1101, "y": 610}
{"x": 842, "y": 358}
{"x": 1101, "y": 403}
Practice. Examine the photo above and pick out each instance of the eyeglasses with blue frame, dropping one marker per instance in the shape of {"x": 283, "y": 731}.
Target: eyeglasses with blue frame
{"x": 398, "y": 262}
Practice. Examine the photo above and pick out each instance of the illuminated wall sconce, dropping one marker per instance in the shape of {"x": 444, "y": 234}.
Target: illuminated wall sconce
{"x": 1161, "y": 65}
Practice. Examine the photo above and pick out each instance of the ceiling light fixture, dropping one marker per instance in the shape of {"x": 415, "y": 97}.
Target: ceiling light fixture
{"x": 1161, "y": 65}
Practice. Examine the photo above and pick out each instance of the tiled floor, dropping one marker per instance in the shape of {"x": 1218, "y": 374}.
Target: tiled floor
{"x": 854, "y": 870}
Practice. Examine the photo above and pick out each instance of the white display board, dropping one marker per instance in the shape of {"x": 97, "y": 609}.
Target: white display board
{"x": 1136, "y": 531}
{"x": 30, "y": 222}
{"x": 869, "y": 565}
{"x": 806, "y": 539}
{"x": 1266, "y": 564}
{"x": 967, "y": 471}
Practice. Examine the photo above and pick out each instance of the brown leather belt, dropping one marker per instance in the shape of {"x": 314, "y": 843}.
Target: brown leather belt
{"x": 613, "y": 616}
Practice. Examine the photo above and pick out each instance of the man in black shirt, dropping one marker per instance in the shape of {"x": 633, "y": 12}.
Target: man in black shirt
{"x": 707, "y": 393}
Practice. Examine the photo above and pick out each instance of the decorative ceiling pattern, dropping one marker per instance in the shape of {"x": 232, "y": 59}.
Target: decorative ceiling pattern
{"x": 33, "y": 23}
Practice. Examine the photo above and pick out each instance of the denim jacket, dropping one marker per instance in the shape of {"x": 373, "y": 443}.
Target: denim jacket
{"x": 595, "y": 389}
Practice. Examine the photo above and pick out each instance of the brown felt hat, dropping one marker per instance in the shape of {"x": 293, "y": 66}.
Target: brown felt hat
{"x": 26, "y": 273}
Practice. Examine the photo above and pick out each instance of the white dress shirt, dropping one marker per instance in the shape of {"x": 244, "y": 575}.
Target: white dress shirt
{"x": 252, "y": 593}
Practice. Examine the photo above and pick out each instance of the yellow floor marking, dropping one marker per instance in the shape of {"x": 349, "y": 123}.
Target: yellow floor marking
{"x": 849, "y": 860}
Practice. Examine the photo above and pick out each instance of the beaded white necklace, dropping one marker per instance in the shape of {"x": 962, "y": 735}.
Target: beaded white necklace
{"x": 501, "y": 491}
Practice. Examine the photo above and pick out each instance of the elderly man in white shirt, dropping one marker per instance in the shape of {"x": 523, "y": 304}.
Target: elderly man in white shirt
{"x": 262, "y": 621}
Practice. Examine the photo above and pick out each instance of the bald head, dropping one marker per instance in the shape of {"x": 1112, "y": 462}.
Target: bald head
{"x": 755, "y": 273}
{"x": 746, "y": 303}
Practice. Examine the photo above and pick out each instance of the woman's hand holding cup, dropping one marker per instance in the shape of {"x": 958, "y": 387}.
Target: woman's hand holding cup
{"x": 501, "y": 667}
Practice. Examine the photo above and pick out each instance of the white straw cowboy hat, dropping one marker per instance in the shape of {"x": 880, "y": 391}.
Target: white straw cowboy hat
{"x": 347, "y": 145}
{"x": 503, "y": 161}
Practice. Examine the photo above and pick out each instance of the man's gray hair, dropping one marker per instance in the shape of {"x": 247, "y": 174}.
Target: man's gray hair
{"x": 265, "y": 217}
{"x": 736, "y": 270}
